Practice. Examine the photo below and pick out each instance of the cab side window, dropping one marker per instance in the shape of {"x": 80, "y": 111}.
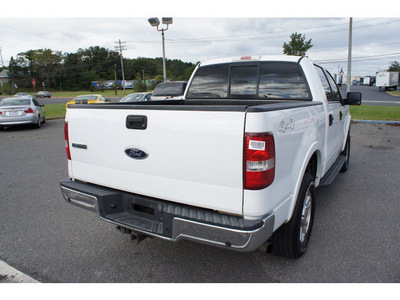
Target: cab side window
{"x": 325, "y": 84}
{"x": 335, "y": 90}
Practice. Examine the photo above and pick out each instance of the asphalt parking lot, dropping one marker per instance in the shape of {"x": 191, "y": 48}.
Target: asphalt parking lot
{"x": 355, "y": 236}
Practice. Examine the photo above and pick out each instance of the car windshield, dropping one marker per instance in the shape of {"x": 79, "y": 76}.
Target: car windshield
{"x": 132, "y": 97}
{"x": 86, "y": 97}
{"x": 16, "y": 101}
{"x": 170, "y": 89}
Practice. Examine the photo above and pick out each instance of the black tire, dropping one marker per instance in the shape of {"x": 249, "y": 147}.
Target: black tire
{"x": 44, "y": 119}
{"x": 346, "y": 153}
{"x": 39, "y": 124}
{"x": 291, "y": 239}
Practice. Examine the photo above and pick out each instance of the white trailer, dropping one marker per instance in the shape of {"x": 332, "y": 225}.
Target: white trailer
{"x": 387, "y": 80}
{"x": 366, "y": 80}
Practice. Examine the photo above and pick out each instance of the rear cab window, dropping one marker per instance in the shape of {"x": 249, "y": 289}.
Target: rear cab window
{"x": 252, "y": 80}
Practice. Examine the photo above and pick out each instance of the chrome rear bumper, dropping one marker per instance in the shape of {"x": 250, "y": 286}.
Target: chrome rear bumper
{"x": 169, "y": 221}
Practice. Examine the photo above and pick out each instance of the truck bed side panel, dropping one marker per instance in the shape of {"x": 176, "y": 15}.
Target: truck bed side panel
{"x": 296, "y": 132}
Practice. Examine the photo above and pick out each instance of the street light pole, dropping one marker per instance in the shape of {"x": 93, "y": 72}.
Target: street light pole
{"x": 155, "y": 22}
{"x": 163, "y": 51}
{"x": 349, "y": 56}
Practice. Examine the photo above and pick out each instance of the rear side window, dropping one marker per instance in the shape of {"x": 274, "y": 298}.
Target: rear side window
{"x": 210, "y": 82}
{"x": 265, "y": 80}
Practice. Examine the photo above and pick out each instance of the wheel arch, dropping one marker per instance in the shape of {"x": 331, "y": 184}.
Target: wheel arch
{"x": 311, "y": 164}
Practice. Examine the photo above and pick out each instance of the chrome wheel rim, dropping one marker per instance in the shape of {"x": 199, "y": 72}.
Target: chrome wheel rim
{"x": 306, "y": 215}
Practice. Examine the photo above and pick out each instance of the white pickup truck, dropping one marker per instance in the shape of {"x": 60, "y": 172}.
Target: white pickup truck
{"x": 235, "y": 164}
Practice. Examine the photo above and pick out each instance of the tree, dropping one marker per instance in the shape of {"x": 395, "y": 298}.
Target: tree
{"x": 43, "y": 63}
{"x": 297, "y": 46}
{"x": 394, "y": 67}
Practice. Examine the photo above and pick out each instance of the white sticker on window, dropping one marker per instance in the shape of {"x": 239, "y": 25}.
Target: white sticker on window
{"x": 256, "y": 145}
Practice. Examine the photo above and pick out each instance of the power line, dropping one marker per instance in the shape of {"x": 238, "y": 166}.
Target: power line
{"x": 359, "y": 58}
{"x": 340, "y": 27}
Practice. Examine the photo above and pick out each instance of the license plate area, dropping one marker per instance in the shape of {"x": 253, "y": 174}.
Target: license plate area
{"x": 13, "y": 113}
{"x": 137, "y": 212}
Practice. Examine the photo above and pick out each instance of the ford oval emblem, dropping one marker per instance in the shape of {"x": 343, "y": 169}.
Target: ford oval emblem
{"x": 136, "y": 153}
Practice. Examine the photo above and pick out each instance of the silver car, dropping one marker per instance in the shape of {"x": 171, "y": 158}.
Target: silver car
{"x": 21, "y": 110}
{"x": 172, "y": 90}
{"x": 43, "y": 94}
{"x": 136, "y": 97}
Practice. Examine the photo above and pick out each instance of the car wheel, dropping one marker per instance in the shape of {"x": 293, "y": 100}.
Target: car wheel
{"x": 291, "y": 239}
{"x": 346, "y": 153}
{"x": 44, "y": 118}
{"x": 39, "y": 123}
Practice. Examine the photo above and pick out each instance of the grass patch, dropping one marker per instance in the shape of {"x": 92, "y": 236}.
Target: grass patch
{"x": 374, "y": 112}
{"x": 55, "y": 110}
{"x": 394, "y": 93}
{"x": 73, "y": 94}
{"x": 106, "y": 93}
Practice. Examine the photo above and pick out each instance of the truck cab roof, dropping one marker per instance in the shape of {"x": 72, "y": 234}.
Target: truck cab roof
{"x": 286, "y": 58}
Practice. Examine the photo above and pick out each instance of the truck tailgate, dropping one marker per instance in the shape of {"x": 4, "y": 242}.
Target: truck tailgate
{"x": 194, "y": 157}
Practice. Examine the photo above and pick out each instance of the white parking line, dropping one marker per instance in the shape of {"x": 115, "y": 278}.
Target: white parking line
{"x": 10, "y": 275}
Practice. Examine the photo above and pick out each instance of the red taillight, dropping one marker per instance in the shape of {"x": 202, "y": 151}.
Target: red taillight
{"x": 29, "y": 111}
{"x": 259, "y": 160}
{"x": 67, "y": 140}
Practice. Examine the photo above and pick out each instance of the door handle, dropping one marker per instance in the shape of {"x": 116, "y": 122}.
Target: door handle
{"x": 136, "y": 122}
{"x": 330, "y": 120}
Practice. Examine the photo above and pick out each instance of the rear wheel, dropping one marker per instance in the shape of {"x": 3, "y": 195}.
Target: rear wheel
{"x": 39, "y": 123}
{"x": 291, "y": 239}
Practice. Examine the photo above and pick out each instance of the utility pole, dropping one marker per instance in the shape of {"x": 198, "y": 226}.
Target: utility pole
{"x": 120, "y": 48}
{"x": 349, "y": 56}
{"x": 1, "y": 56}
{"x": 12, "y": 74}
{"x": 115, "y": 80}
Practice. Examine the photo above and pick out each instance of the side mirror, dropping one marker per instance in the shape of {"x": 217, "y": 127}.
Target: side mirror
{"x": 353, "y": 98}
{"x": 41, "y": 105}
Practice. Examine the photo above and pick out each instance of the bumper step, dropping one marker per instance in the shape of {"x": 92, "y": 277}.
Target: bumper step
{"x": 168, "y": 220}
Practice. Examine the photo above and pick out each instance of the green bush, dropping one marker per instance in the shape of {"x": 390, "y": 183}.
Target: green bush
{"x": 141, "y": 86}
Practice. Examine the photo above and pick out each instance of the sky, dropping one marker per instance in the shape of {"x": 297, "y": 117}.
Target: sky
{"x": 207, "y": 30}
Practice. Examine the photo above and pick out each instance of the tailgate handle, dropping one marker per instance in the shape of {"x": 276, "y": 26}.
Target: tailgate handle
{"x": 136, "y": 122}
